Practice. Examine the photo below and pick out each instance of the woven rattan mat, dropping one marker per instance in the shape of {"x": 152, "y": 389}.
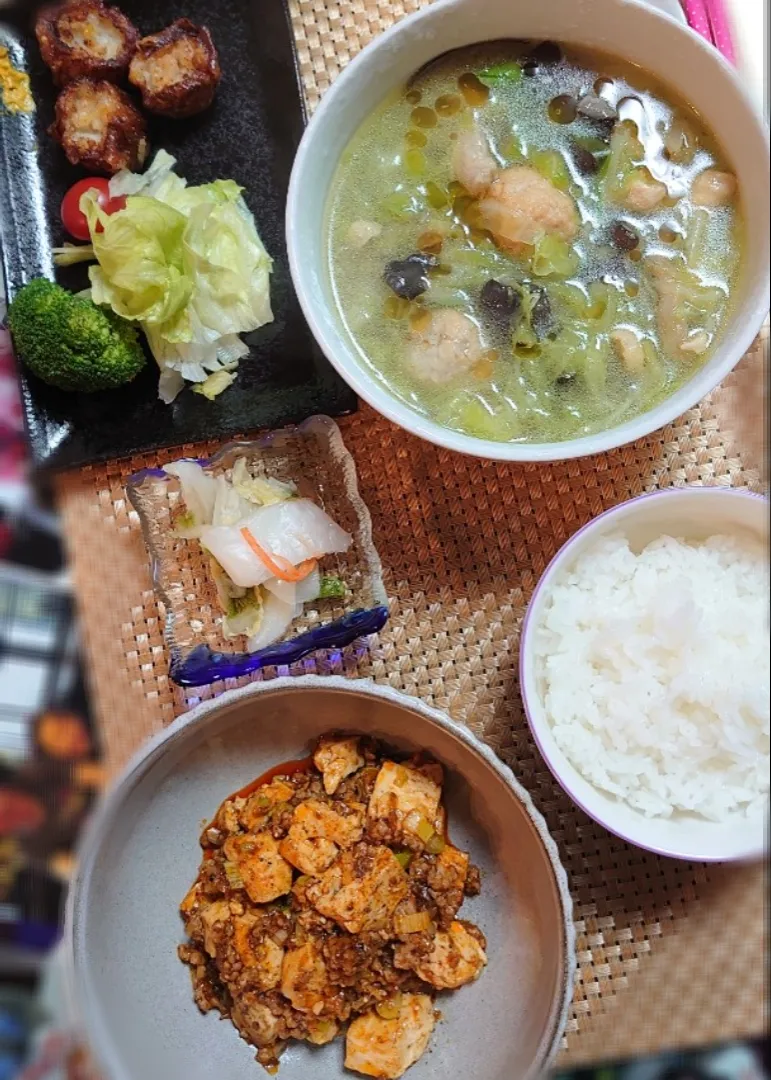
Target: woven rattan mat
{"x": 670, "y": 954}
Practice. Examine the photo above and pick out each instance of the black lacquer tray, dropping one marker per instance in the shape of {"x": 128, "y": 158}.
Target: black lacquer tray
{"x": 250, "y": 135}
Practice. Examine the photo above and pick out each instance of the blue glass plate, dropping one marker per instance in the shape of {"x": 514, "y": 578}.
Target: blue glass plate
{"x": 313, "y": 456}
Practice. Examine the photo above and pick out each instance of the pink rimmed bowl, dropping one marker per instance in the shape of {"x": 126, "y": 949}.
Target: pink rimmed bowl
{"x": 692, "y": 514}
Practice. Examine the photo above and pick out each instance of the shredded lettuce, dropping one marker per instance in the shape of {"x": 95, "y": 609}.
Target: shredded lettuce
{"x": 157, "y": 173}
{"x": 70, "y": 254}
{"x": 140, "y": 272}
{"x": 188, "y": 265}
{"x": 687, "y": 305}
{"x": 215, "y": 384}
{"x": 697, "y": 245}
{"x": 552, "y": 165}
{"x": 226, "y": 259}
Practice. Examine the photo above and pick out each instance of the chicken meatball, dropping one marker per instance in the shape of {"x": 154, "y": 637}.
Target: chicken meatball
{"x": 176, "y": 71}
{"x": 517, "y": 205}
{"x": 644, "y": 193}
{"x": 99, "y": 127}
{"x": 713, "y": 188}
{"x": 85, "y": 39}
{"x": 449, "y": 345}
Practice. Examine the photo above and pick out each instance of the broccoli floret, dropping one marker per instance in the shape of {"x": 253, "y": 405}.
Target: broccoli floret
{"x": 69, "y": 342}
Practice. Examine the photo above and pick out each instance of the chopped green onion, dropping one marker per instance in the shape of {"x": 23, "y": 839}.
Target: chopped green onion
{"x": 232, "y": 873}
{"x": 435, "y": 845}
{"x": 424, "y": 830}
{"x": 507, "y": 72}
{"x": 331, "y": 588}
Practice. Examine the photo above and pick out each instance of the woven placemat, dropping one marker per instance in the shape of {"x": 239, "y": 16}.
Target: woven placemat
{"x": 669, "y": 954}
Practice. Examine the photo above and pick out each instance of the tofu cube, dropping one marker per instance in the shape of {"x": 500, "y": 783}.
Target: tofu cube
{"x": 336, "y": 759}
{"x": 304, "y": 977}
{"x": 361, "y": 890}
{"x": 457, "y": 957}
{"x": 257, "y": 807}
{"x": 254, "y": 1020}
{"x": 387, "y": 1048}
{"x": 265, "y": 874}
{"x": 410, "y": 795}
{"x": 310, "y": 854}
{"x": 316, "y": 835}
{"x": 213, "y": 916}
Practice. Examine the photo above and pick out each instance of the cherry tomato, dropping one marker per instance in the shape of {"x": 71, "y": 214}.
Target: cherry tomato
{"x": 73, "y": 219}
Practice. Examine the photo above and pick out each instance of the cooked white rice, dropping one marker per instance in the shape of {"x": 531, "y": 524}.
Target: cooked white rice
{"x": 654, "y": 671}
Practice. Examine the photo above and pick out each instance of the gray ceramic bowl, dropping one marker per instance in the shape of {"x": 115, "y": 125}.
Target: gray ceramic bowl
{"x": 142, "y": 853}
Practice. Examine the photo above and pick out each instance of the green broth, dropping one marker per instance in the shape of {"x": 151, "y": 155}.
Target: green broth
{"x": 396, "y": 176}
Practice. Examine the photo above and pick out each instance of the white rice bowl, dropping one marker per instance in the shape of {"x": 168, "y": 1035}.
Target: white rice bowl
{"x": 653, "y": 672}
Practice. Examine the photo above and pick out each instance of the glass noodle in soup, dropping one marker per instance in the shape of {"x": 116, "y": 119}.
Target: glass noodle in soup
{"x": 528, "y": 244}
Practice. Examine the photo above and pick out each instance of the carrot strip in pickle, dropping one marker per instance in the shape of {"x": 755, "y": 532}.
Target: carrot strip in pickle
{"x": 277, "y": 564}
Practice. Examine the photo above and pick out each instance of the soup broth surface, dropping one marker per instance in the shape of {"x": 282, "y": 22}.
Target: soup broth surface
{"x": 577, "y": 274}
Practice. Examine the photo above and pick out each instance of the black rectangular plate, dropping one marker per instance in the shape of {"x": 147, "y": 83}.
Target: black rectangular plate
{"x": 250, "y": 135}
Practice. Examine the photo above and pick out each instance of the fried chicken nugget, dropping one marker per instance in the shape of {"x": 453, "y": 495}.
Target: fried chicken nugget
{"x": 85, "y": 39}
{"x": 99, "y": 127}
{"x": 177, "y": 70}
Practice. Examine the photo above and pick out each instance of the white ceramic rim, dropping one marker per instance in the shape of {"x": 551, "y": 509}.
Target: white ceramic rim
{"x": 98, "y": 830}
{"x": 546, "y": 579}
{"x": 370, "y": 390}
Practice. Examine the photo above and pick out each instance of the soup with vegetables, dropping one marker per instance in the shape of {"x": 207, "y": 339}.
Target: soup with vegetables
{"x": 528, "y": 244}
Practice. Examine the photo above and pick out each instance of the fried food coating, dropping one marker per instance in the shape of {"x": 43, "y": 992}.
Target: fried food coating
{"x": 177, "y": 71}
{"x": 85, "y": 39}
{"x": 99, "y": 127}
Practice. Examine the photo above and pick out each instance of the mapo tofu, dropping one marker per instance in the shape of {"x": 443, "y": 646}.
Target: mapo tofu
{"x": 327, "y": 903}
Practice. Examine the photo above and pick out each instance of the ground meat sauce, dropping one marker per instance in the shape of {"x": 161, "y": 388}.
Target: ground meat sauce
{"x": 287, "y": 954}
